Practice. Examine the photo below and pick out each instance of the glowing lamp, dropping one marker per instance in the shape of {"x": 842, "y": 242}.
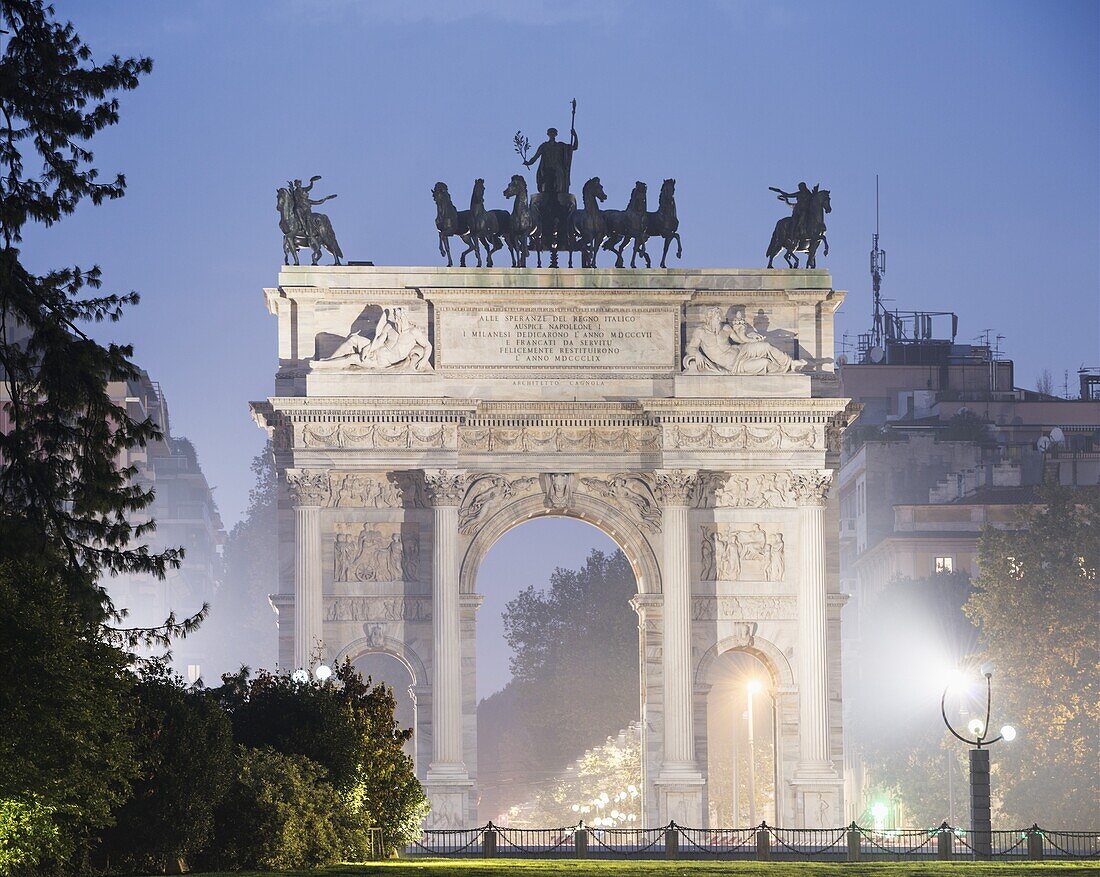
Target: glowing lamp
{"x": 1008, "y": 733}
{"x": 754, "y": 686}
{"x": 879, "y": 811}
{"x": 300, "y": 676}
{"x": 322, "y": 672}
{"x": 976, "y": 727}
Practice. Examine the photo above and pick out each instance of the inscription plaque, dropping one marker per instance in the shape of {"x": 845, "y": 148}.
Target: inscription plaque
{"x": 564, "y": 337}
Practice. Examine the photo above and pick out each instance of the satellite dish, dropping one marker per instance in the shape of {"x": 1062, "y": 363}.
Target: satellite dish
{"x": 1057, "y": 436}
{"x": 876, "y": 354}
{"x": 1044, "y": 444}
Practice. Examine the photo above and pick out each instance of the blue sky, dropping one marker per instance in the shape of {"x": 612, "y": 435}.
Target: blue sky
{"x": 981, "y": 118}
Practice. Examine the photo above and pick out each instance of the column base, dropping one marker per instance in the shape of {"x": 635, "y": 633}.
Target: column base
{"x": 680, "y": 795}
{"x": 449, "y": 793}
{"x": 819, "y": 798}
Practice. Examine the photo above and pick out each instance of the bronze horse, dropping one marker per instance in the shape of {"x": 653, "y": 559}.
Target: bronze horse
{"x": 588, "y": 223}
{"x": 296, "y": 237}
{"x": 783, "y": 236}
{"x": 664, "y": 223}
{"x": 451, "y": 221}
{"x": 524, "y": 220}
{"x": 489, "y": 226}
{"x": 628, "y": 225}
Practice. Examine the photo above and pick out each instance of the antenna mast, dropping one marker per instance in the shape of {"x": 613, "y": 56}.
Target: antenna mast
{"x": 878, "y": 268}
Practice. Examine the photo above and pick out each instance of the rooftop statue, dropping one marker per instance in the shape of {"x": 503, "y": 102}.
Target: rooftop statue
{"x": 736, "y": 348}
{"x": 804, "y": 230}
{"x": 301, "y": 227}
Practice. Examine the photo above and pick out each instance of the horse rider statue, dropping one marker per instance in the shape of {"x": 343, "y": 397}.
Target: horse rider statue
{"x": 303, "y": 204}
{"x": 800, "y": 198}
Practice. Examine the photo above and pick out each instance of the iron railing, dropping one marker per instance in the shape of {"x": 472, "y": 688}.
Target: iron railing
{"x": 850, "y": 843}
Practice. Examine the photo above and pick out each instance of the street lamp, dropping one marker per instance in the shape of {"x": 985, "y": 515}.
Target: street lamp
{"x": 981, "y": 823}
{"x": 753, "y": 687}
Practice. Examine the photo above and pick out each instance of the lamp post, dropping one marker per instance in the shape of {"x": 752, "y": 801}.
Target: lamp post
{"x": 752, "y": 688}
{"x": 981, "y": 824}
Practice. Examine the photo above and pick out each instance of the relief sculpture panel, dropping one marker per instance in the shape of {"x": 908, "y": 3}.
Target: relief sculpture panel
{"x": 376, "y": 553}
{"x": 739, "y": 554}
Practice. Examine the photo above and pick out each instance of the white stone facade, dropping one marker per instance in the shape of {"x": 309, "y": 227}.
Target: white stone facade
{"x": 421, "y": 413}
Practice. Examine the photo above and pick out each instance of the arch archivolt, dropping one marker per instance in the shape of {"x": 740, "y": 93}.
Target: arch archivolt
{"x": 749, "y": 642}
{"x": 618, "y": 522}
{"x": 387, "y": 645}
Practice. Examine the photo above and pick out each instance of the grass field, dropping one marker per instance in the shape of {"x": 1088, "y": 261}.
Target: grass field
{"x": 574, "y": 868}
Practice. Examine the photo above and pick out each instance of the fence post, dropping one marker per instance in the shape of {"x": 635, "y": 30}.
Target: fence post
{"x": 763, "y": 843}
{"x": 672, "y": 841}
{"x": 489, "y": 841}
{"x": 943, "y": 842}
{"x": 854, "y": 839}
{"x": 580, "y": 842}
{"x": 1035, "y": 843}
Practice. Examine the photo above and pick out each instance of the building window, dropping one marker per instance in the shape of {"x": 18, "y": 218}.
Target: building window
{"x": 944, "y": 565}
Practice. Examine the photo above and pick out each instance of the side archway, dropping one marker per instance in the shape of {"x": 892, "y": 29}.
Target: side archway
{"x": 620, "y": 527}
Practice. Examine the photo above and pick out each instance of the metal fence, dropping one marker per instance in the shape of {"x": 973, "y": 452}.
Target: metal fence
{"x": 764, "y": 842}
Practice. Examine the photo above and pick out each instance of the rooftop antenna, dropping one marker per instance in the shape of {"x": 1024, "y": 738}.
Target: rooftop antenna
{"x": 878, "y": 268}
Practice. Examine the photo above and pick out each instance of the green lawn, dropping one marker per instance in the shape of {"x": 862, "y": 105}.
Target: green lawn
{"x": 501, "y": 867}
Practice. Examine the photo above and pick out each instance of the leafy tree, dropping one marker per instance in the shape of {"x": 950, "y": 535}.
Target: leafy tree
{"x": 344, "y": 725}
{"x": 28, "y": 835}
{"x": 184, "y": 745}
{"x": 282, "y": 812}
{"x": 966, "y": 426}
{"x": 912, "y": 631}
{"x": 66, "y": 758}
{"x": 1035, "y": 600}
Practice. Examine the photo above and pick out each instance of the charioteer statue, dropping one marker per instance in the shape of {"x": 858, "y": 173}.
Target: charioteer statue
{"x": 554, "y": 202}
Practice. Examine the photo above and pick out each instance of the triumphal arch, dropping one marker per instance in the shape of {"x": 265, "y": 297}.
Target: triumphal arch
{"x": 692, "y": 415}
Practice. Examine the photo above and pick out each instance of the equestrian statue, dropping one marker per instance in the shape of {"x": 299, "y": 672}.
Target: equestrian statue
{"x": 301, "y": 227}
{"x": 804, "y": 230}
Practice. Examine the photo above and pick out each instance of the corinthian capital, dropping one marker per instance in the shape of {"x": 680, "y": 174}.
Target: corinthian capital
{"x": 444, "y": 486}
{"x": 676, "y": 486}
{"x": 308, "y": 487}
{"x": 811, "y": 488}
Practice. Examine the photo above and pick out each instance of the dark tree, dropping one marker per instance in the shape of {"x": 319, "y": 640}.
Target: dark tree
{"x": 63, "y": 496}
{"x": 184, "y": 747}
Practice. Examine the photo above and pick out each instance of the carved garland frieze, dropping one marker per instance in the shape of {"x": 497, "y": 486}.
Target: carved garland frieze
{"x": 741, "y": 437}
{"x": 378, "y": 436}
{"x": 560, "y": 439}
{"x": 735, "y": 554}
{"x": 764, "y": 607}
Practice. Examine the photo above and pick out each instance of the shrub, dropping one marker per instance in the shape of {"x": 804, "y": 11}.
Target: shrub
{"x": 281, "y": 812}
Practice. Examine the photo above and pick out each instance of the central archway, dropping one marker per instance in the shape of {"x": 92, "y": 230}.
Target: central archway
{"x": 622, "y": 745}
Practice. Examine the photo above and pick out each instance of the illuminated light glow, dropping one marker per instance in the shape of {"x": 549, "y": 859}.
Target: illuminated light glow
{"x": 300, "y": 676}
{"x": 322, "y": 672}
{"x": 754, "y": 686}
{"x": 576, "y": 808}
{"x": 958, "y": 680}
{"x": 879, "y": 810}
{"x": 1008, "y": 733}
{"x": 976, "y": 727}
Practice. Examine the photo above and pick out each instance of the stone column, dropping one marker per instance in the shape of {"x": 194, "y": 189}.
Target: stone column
{"x": 309, "y": 492}
{"x": 680, "y": 780}
{"x": 816, "y": 778}
{"x": 447, "y": 780}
